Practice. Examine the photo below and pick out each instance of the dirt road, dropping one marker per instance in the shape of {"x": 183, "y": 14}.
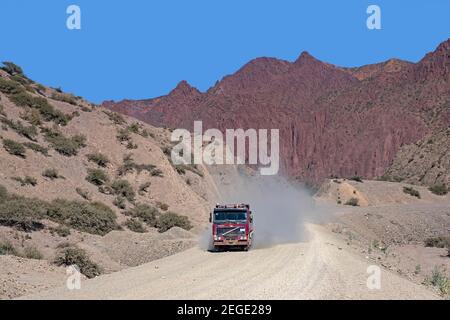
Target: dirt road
{"x": 319, "y": 269}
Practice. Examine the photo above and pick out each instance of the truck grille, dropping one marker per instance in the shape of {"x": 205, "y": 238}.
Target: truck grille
{"x": 230, "y": 232}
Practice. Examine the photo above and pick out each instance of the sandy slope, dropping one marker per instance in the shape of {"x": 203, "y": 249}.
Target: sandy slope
{"x": 318, "y": 269}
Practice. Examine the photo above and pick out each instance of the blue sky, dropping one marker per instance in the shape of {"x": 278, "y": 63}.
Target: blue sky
{"x": 142, "y": 48}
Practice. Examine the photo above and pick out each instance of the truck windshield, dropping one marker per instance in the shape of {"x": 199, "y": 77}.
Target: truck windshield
{"x": 230, "y": 215}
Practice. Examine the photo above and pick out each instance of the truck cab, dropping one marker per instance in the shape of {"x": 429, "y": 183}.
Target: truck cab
{"x": 232, "y": 227}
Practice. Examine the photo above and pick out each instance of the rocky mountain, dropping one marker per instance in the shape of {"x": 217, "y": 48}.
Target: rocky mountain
{"x": 426, "y": 162}
{"x": 333, "y": 121}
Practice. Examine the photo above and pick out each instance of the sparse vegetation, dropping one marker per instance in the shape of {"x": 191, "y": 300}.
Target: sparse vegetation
{"x": 439, "y": 189}
{"x": 51, "y": 173}
{"x": 163, "y": 206}
{"x": 97, "y": 177}
{"x": 135, "y": 225}
{"x": 124, "y": 189}
{"x": 352, "y": 202}
{"x": 6, "y": 248}
{"x": 12, "y": 68}
{"x": 95, "y": 218}
{"x": 26, "y": 181}
{"x": 143, "y": 188}
{"x": 46, "y": 110}
{"x": 115, "y": 117}
{"x": 145, "y": 213}
{"x": 83, "y": 193}
{"x": 61, "y": 231}
{"x": 36, "y": 148}
{"x": 98, "y": 158}
{"x": 32, "y": 253}
{"x": 63, "y": 145}
{"x": 119, "y": 202}
{"x": 411, "y": 191}
{"x": 170, "y": 219}
{"x": 29, "y": 132}
{"x": 32, "y": 116}
{"x": 67, "y": 98}
{"x": 356, "y": 178}
{"x": 123, "y": 135}
{"x": 75, "y": 256}
{"x": 439, "y": 280}
{"x": 157, "y": 173}
{"x": 438, "y": 242}
{"x": 13, "y": 147}
{"x": 182, "y": 168}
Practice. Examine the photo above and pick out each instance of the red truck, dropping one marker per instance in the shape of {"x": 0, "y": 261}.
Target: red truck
{"x": 232, "y": 226}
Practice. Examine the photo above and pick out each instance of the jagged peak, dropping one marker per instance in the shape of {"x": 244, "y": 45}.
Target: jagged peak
{"x": 183, "y": 87}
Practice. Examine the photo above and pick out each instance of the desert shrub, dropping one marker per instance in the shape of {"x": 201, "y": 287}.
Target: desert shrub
{"x": 67, "y": 98}
{"x": 12, "y": 68}
{"x": 7, "y": 248}
{"x": 2, "y": 110}
{"x": 51, "y": 173}
{"x": 83, "y": 193}
{"x": 98, "y": 158}
{"x": 134, "y": 127}
{"x": 105, "y": 189}
{"x": 356, "y": 178}
{"x": 135, "y": 225}
{"x": 95, "y": 218}
{"x": 144, "y": 133}
{"x": 439, "y": 189}
{"x": 10, "y": 87}
{"x": 143, "y": 188}
{"x": 115, "y": 117}
{"x": 61, "y": 231}
{"x": 32, "y": 116}
{"x": 124, "y": 189}
{"x": 29, "y": 132}
{"x": 36, "y": 148}
{"x": 157, "y": 173}
{"x": 438, "y": 242}
{"x": 97, "y": 177}
{"x": 47, "y": 111}
{"x": 32, "y": 253}
{"x": 182, "y": 168}
{"x": 62, "y": 144}
{"x": 170, "y": 219}
{"x": 130, "y": 145}
{"x": 123, "y": 135}
{"x": 75, "y": 256}
{"x": 25, "y": 181}
{"x": 163, "y": 206}
{"x": 3, "y": 193}
{"x": 411, "y": 191}
{"x": 22, "y": 80}
{"x": 13, "y": 147}
{"x": 26, "y": 213}
{"x": 119, "y": 202}
{"x": 352, "y": 202}
{"x": 127, "y": 165}
{"x": 22, "y": 213}
{"x": 439, "y": 280}
{"x": 145, "y": 213}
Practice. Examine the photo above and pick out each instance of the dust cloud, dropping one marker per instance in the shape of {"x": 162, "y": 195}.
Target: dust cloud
{"x": 280, "y": 208}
